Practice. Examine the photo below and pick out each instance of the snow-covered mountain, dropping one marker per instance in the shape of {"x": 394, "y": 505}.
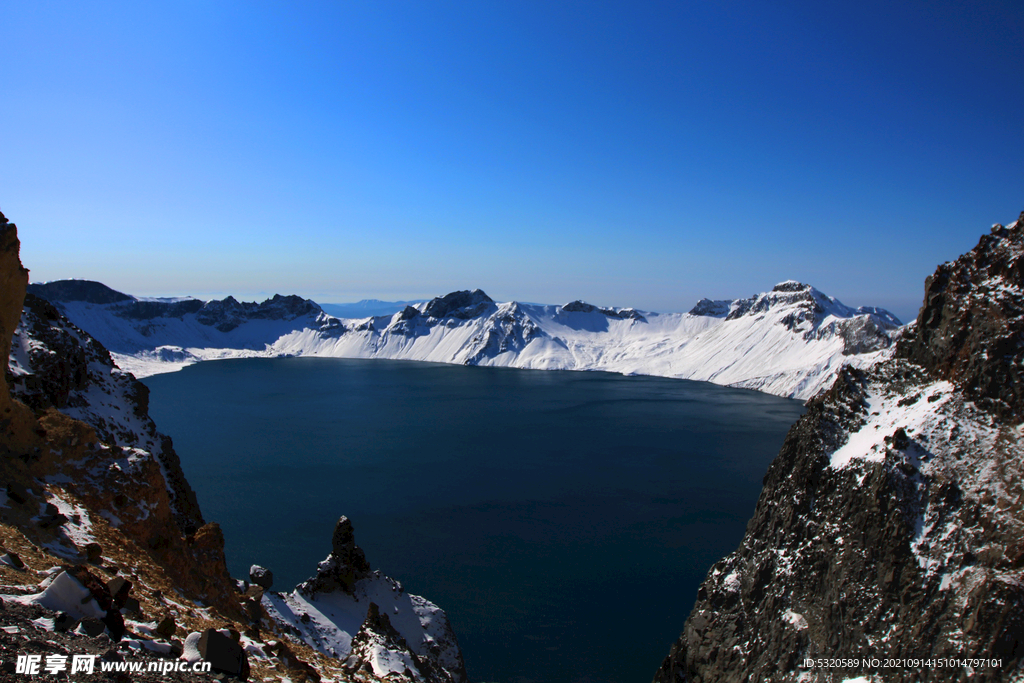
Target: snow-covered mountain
{"x": 790, "y": 341}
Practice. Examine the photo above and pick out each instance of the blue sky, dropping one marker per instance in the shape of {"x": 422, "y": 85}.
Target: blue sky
{"x": 630, "y": 154}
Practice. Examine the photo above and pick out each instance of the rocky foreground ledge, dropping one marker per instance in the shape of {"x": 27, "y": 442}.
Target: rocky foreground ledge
{"x": 888, "y": 541}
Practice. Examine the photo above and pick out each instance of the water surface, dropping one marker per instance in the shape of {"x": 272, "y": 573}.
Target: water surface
{"x": 563, "y": 520}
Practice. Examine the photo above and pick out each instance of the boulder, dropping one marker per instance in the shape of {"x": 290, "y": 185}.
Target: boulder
{"x": 166, "y": 628}
{"x": 93, "y": 553}
{"x": 261, "y": 576}
{"x": 223, "y": 653}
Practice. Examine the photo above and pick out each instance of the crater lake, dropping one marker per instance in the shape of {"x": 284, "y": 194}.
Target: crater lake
{"x": 563, "y": 520}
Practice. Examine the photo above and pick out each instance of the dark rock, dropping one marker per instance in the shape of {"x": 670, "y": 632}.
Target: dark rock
{"x": 60, "y": 361}
{"x": 92, "y": 627}
{"x": 377, "y": 633}
{"x": 899, "y": 439}
{"x": 463, "y": 305}
{"x": 18, "y": 493}
{"x": 227, "y": 314}
{"x": 119, "y": 588}
{"x": 113, "y": 619}
{"x": 790, "y": 286}
{"x": 132, "y": 606}
{"x": 253, "y": 610}
{"x": 839, "y": 560}
{"x": 343, "y": 546}
{"x": 579, "y": 307}
{"x": 93, "y": 553}
{"x": 224, "y": 654}
{"x": 50, "y": 521}
{"x": 15, "y": 561}
{"x": 64, "y": 622}
{"x": 261, "y": 576}
{"x": 166, "y": 628}
{"x": 343, "y": 567}
{"x": 296, "y": 668}
{"x": 233, "y": 633}
{"x": 148, "y": 310}
{"x": 711, "y": 308}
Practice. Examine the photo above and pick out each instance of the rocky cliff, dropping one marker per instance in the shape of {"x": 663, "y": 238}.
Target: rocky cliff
{"x": 888, "y": 541}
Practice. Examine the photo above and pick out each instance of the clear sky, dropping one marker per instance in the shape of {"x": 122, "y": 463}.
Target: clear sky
{"x": 626, "y": 153}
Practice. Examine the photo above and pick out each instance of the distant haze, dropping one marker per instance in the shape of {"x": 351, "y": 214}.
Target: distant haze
{"x": 628, "y": 155}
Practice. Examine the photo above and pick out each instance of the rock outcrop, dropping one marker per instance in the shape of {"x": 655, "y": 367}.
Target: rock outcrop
{"x": 970, "y": 329}
{"x": 367, "y": 620}
{"x": 891, "y": 524}
{"x": 343, "y": 567}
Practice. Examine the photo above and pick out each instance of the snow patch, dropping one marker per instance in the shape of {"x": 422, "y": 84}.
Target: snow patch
{"x": 795, "y": 620}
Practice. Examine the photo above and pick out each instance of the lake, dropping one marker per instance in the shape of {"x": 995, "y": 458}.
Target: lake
{"x": 563, "y": 520}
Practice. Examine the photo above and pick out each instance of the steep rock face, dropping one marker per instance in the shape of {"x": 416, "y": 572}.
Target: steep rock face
{"x": 81, "y": 446}
{"x": 891, "y": 523}
{"x": 509, "y": 329}
{"x": 970, "y": 329}
{"x": 448, "y": 310}
{"x": 13, "y": 283}
{"x": 343, "y": 567}
{"x": 53, "y": 363}
{"x": 17, "y": 428}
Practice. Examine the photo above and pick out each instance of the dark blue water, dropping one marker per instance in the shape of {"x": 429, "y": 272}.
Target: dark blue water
{"x": 563, "y": 520}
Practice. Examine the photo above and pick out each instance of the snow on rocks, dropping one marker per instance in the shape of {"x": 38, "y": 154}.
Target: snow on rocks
{"x": 959, "y": 457}
{"x": 795, "y": 620}
{"x": 368, "y": 620}
{"x": 261, "y": 576}
{"x": 65, "y": 593}
{"x": 63, "y": 367}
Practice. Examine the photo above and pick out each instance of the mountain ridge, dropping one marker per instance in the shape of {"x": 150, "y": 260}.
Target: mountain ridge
{"x": 789, "y": 341}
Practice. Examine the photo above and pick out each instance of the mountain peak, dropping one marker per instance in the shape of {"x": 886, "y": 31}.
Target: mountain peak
{"x": 78, "y": 290}
{"x": 457, "y": 303}
{"x": 791, "y": 286}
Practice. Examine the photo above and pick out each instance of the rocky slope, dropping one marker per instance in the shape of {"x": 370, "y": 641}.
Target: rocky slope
{"x": 790, "y": 341}
{"x": 891, "y": 525}
{"x": 105, "y": 550}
